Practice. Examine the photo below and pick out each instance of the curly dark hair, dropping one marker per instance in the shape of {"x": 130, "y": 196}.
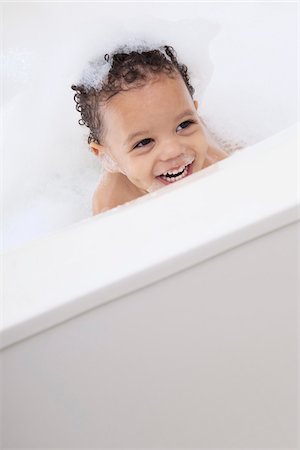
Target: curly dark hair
{"x": 127, "y": 70}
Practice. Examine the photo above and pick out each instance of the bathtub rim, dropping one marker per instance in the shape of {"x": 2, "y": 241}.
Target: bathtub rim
{"x": 23, "y": 327}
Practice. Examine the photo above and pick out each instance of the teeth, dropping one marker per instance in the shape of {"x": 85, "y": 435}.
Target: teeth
{"x": 171, "y": 180}
{"x": 174, "y": 172}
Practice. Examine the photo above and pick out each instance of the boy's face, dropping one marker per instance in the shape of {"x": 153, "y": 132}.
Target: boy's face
{"x": 168, "y": 133}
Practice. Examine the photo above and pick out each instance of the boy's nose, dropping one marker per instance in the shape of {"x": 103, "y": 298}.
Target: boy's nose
{"x": 172, "y": 155}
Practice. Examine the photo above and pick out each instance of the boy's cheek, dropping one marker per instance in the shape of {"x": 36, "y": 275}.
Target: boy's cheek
{"x": 109, "y": 164}
{"x": 154, "y": 186}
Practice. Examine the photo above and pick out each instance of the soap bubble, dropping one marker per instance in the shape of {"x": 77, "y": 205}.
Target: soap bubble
{"x": 95, "y": 73}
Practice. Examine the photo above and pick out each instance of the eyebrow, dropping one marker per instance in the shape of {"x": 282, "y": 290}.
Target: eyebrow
{"x": 138, "y": 133}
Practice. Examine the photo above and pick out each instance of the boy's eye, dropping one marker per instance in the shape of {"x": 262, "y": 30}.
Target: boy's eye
{"x": 144, "y": 140}
{"x": 188, "y": 122}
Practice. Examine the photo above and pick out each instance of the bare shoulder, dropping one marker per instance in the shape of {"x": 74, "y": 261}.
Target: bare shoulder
{"x": 110, "y": 192}
{"x": 114, "y": 189}
{"x": 100, "y": 201}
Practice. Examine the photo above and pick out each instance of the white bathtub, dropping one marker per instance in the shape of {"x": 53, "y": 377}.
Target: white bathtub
{"x": 171, "y": 321}
{"x": 181, "y": 332}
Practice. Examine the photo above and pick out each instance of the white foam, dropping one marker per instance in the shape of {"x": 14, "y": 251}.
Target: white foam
{"x": 96, "y": 71}
{"x": 135, "y": 44}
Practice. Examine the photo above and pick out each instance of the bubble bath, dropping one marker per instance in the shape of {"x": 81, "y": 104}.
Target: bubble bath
{"x": 243, "y": 72}
{"x": 97, "y": 70}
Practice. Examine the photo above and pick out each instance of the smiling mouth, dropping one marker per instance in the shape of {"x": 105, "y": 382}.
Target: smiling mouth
{"x": 171, "y": 178}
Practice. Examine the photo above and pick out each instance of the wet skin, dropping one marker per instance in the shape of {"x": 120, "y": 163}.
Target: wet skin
{"x": 169, "y": 132}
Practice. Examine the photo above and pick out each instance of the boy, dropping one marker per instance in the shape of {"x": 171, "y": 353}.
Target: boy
{"x": 143, "y": 124}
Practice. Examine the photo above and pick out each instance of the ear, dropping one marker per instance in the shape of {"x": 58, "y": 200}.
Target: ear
{"x": 196, "y": 104}
{"x": 97, "y": 149}
{"x": 108, "y": 163}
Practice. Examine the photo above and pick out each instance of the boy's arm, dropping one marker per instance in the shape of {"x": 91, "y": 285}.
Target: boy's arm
{"x": 104, "y": 200}
{"x": 96, "y": 210}
{"x": 110, "y": 193}
{"x": 99, "y": 204}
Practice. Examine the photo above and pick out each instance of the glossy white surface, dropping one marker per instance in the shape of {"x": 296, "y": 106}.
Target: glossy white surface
{"x": 170, "y": 322}
{"x": 180, "y": 332}
{"x": 242, "y": 197}
{"x": 204, "y": 358}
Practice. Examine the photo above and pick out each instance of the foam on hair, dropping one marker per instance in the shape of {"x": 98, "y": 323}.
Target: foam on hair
{"x": 94, "y": 74}
{"x": 96, "y": 71}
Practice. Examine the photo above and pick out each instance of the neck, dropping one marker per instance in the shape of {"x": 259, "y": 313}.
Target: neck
{"x": 214, "y": 154}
